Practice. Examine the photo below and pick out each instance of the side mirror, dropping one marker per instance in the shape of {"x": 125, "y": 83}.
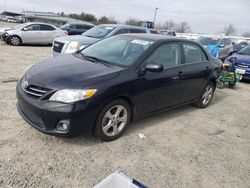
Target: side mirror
{"x": 222, "y": 45}
{"x": 25, "y": 29}
{"x": 153, "y": 67}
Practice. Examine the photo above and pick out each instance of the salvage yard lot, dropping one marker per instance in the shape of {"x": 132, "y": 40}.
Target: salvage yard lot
{"x": 186, "y": 147}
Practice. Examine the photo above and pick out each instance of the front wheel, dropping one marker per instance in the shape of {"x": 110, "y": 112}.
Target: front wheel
{"x": 15, "y": 40}
{"x": 112, "y": 120}
{"x": 206, "y": 96}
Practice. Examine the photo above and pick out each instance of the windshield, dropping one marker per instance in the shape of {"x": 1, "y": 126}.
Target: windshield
{"x": 208, "y": 41}
{"x": 118, "y": 50}
{"x": 64, "y": 27}
{"x": 20, "y": 26}
{"x": 245, "y": 51}
{"x": 99, "y": 31}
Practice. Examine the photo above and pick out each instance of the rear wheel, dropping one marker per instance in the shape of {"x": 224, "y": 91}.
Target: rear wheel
{"x": 206, "y": 96}
{"x": 15, "y": 40}
{"x": 112, "y": 120}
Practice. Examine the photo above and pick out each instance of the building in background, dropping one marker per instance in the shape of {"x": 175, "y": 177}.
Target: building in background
{"x": 34, "y": 16}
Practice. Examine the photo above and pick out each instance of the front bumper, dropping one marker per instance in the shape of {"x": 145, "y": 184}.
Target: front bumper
{"x": 44, "y": 115}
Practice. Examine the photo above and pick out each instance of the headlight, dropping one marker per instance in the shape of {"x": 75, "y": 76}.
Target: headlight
{"x": 72, "y": 47}
{"x": 72, "y": 95}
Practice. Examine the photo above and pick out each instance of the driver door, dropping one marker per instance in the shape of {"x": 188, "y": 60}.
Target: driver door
{"x": 32, "y": 34}
{"x": 161, "y": 90}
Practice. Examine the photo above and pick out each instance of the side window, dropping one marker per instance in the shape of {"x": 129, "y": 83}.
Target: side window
{"x": 122, "y": 31}
{"x": 193, "y": 53}
{"x": 44, "y": 27}
{"x": 153, "y": 32}
{"x": 73, "y": 26}
{"x": 168, "y": 55}
{"x": 223, "y": 42}
{"x": 137, "y": 31}
{"x": 34, "y": 27}
{"x": 229, "y": 42}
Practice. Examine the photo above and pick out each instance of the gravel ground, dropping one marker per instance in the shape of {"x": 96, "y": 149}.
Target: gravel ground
{"x": 186, "y": 147}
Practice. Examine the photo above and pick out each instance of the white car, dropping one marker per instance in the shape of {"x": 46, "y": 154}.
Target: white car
{"x": 33, "y": 33}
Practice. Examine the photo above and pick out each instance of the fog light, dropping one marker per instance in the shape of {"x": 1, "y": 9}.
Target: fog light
{"x": 63, "y": 125}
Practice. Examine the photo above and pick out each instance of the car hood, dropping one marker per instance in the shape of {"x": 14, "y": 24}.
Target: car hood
{"x": 5, "y": 29}
{"x": 83, "y": 40}
{"x": 69, "y": 71}
{"x": 244, "y": 59}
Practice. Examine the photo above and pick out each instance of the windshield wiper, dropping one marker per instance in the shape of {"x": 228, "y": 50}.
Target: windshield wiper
{"x": 96, "y": 59}
{"x": 241, "y": 53}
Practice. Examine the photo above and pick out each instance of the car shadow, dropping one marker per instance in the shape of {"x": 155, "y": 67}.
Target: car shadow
{"x": 151, "y": 120}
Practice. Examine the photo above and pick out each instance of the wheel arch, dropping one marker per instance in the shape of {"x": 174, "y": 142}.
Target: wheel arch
{"x": 15, "y": 35}
{"x": 124, "y": 97}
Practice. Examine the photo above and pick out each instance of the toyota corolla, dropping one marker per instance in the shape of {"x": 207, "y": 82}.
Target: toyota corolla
{"x": 103, "y": 87}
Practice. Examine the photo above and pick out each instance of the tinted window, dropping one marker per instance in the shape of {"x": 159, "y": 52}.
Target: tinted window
{"x": 245, "y": 51}
{"x": 137, "y": 31}
{"x": 153, "y": 32}
{"x": 168, "y": 55}
{"x": 83, "y": 27}
{"x": 46, "y": 27}
{"x": 193, "y": 53}
{"x": 121, "y": 31}
{"x": 34, "y": 27}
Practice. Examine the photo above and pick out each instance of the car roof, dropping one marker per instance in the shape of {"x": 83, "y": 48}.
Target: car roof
{"x": 156, "y": 37}
{"x": 123, "y": 25}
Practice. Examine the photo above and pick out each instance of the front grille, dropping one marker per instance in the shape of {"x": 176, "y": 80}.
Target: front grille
{"x": 57, "y": 46}
{"x": 35, "y": 91}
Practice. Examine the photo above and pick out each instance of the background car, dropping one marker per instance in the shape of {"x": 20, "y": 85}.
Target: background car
{"x": 33, "y": 33}
{"x": 242, "y": 62}
{"x": 100, "y": 89}
{"x": 167, "y": 32}
{"x": 76, "y": 28}
{"x": 225, "y": 45}
{"x": 70, "y": 44}
{"x": 239, "y": 46}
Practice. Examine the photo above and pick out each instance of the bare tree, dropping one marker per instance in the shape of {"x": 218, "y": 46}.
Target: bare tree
{"x": 183, "y": 27}
{"x": 246, "y": 34}
{"x": 229, "y": 30}
{"x": 106, "y": 20}
{"x": 132, "y": 21}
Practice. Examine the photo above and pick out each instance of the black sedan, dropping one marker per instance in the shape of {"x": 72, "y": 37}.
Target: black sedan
{"x": 103, "y": 87}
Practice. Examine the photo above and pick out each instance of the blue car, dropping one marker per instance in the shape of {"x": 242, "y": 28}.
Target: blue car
{"x": 242, "y": 62}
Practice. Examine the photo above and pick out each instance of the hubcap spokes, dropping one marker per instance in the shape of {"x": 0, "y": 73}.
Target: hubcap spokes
{"x": 15, "y": 40}
{"x": 114, "y": 120}
{"x": 207, "y": 95}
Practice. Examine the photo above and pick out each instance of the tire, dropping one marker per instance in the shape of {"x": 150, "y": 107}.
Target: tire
{"x": 231, "y": 85}
{"x": 15, "y": 40}
{"x": 112, "y": 121}
{"x": 206, "y": 96}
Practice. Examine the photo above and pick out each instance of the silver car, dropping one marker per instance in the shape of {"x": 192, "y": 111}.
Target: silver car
{"x": 33, "y": 33}
{"x": 70, "y": 44}
{"x": 226, "y": 45}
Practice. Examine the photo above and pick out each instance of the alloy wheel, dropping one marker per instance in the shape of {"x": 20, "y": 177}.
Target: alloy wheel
{"x": 114, "y": 120}
{"x": 15, "y": 41}
{"x": 207, "y": 95}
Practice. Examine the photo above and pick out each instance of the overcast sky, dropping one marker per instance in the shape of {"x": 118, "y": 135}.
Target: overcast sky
{"x": 204, "y": 16}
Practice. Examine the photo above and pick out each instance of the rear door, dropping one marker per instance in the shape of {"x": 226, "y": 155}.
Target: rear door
{"x": 47, "y": 33}
{"x": 196, "y": 70}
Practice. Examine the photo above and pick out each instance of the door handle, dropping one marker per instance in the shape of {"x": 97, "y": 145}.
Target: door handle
{"x": 179, "y": 76}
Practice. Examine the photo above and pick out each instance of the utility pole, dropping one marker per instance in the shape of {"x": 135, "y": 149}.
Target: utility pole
{"x": 155, "y": 16}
